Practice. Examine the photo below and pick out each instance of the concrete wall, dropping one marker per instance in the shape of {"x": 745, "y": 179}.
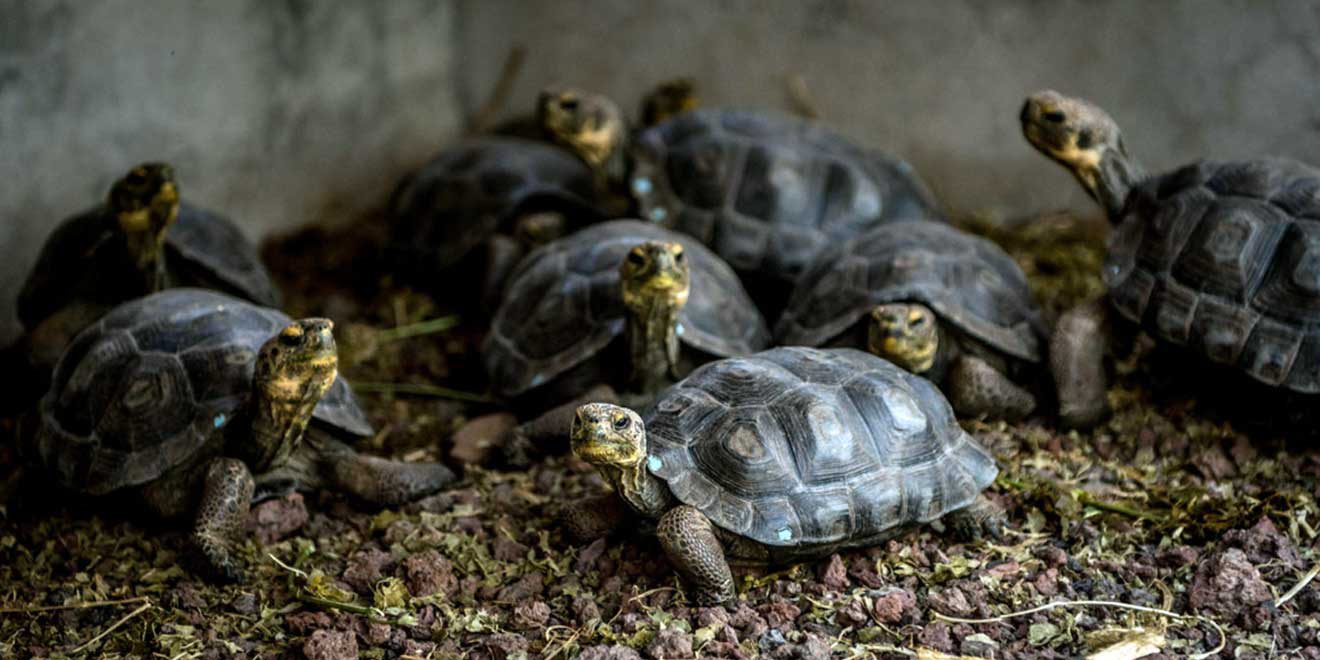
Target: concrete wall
{"x": 275, "y": 113}
{"x": 282, "y": 113}
{"x": 941, "y": 82}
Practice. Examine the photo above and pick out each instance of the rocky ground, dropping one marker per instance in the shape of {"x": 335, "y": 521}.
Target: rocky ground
{"x": 1165, "y": 531}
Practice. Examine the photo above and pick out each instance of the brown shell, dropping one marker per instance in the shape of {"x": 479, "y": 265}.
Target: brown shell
{"x": 804, "y": 446}
{"x": 967, "y": 280}
{"x": 563, "y": 306}
{"x": 1224, "y": 258}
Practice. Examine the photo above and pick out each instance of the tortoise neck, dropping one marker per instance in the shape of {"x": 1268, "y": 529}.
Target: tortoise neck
{"x": 1113, "y": 179}
{"x": 653, "y": 342}
{"x": 947, "y": 352}
{"x": 277, "y": 427}
{"x": 644, "y": 492}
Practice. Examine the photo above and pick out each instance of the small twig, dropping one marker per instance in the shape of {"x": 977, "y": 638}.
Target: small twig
{"x": 421, "y": 390}
{"x": 1121, "y": 509}
{"x": 577, "y": 632}
{"x": 499, "y": 95}
{"x": 369, "y": 612}
{"x": 427, "y": 327}
{"x": 800, "y": 97}
{"x": 73, "y": 606}
{"x": 1223, "y": 639}
{"x": 145, "y": 606}
{"x": 1297, "y": 588}
{"x": 299, "y": 573}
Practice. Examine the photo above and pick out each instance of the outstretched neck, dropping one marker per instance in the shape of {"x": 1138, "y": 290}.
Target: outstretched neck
{"x": 276, "y": 429}
{"x": 653, "y": 343}
{"x": 644, "y": 492}
{"x": 1114, "y": 177}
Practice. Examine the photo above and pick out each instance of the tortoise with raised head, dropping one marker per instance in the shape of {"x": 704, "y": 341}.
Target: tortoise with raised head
{"x": 765, "y": 191}
{"x": 1221, "y": 258}
{"x": 782, "y": 456}
{"x": 937, "y": 301}
{"x": 481, "y": 204}
{"x": 193, "y": 401}
{"x": 142, "y": 239}
{"x": 624, "y": 303}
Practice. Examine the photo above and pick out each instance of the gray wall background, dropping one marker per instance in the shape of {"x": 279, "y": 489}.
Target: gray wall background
{"x": 285, "y": 113}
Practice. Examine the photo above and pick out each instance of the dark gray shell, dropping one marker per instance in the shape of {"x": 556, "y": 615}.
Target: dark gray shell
{"x": 967, "y": 280}
{"x": 563, "y": 305}
{"x": 766, "y": 192}
{"x": 1224, "y": 258}
{"x": 475, "y": 188}
{"x": 81, "y": 258}
{"x": 804, "y": 446}
{"x": 143, "y": 389}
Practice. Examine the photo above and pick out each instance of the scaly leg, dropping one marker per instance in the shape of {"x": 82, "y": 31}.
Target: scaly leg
{"x": 1077, "y": 361}
{"x": 689, "y": 540}
{"x": 977, "y": 389}
{"x": 376, "y": 480}
{"x": 221, "y": 513}
{"x": 977, "y": 521}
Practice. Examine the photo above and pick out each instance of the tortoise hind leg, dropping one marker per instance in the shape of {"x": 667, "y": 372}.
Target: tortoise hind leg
{"x": 690, "y": 542}
{"x": 377, "y": 480}
{"x": 977, "y": 389}
{"x": 1077, "y": 362}
{"x": 384, "y": 482}
{"x": 221, "y": 514}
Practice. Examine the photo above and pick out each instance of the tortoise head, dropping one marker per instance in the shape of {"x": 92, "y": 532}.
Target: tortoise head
{"x": 655, "y": 272}
{"x": 668, "y": 99}
{"x": 145, "y": 202}
{"x": 589, "y": 124}
{"x": 1073, "y": 132}
{"x": 608, "y": 435}
{"x": 906, "y": 334}
{"x": 297, "y": 366}
{"x": 536, "y": 229}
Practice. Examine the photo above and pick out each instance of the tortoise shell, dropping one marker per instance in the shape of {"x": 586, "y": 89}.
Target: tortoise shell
{"x": 967, "y": 280}
{"x": 80, "y": 259}
{"x": 144, "y": 388}
{"x": 766, "y": 192}
{"x": 476, "y": 188}
{"x": 801, "y": 446}
{"x": 563, "y": 306}
{"x": 1224, "y": 258}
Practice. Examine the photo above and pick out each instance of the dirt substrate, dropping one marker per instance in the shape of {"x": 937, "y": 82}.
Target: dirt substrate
{"x": 1165, "y": 507}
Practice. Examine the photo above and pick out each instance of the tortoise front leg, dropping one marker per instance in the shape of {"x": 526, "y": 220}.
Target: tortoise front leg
{"x": 1077, "y": 361}
{"x": 548, "y": 433}
{"x": 595, "y": 517}
{"x": 690, "y": 542}
{"x": 977, "y": 389}
{"x": 376, "y": 480}
{"x": 221, "y": 513}
{"x": 979, "y": 520}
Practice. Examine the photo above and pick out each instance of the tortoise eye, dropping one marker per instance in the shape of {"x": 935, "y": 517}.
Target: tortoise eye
{"x": 636, "y": 258}
{"x": 622, "y": 422}
{"x": 679, "y": 255}
{"x": 1054, "y": 117}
